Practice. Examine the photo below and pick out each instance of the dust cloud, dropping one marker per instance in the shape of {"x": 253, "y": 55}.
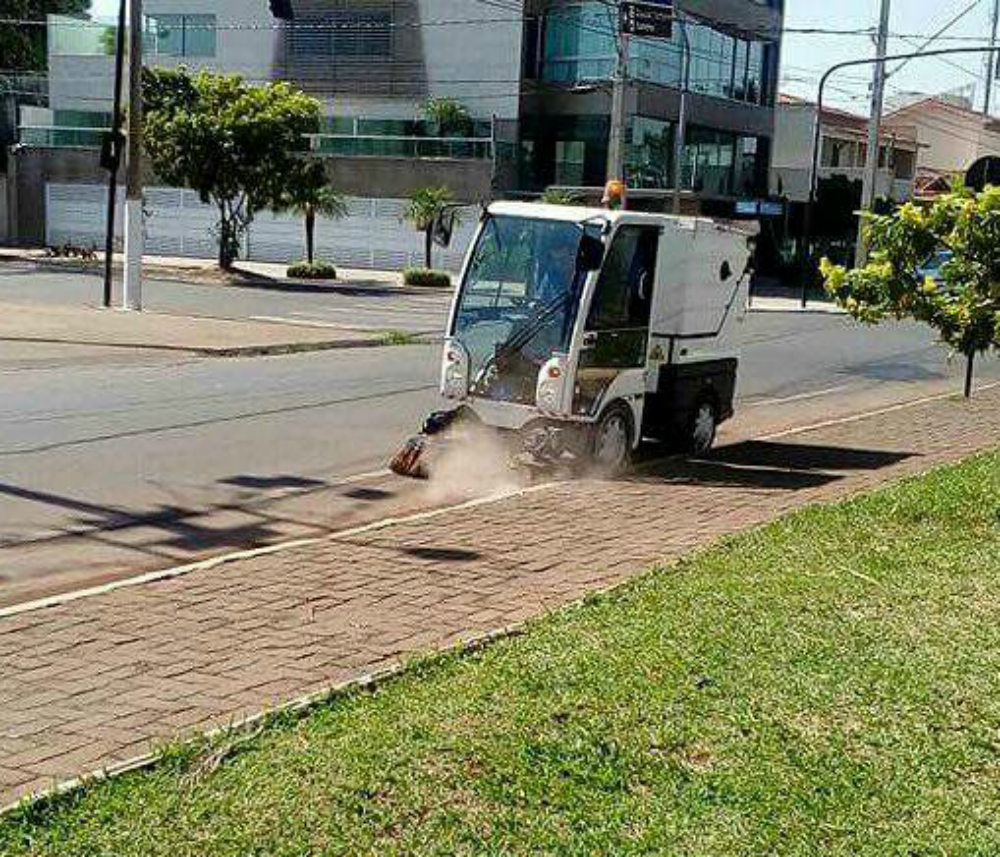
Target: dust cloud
{"x": 472, "y": 463}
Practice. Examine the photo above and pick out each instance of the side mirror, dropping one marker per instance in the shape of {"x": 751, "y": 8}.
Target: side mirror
{"x": 726, "y": 271}
{"x": 443, "y": 227}
{"x": 590, "y": 256}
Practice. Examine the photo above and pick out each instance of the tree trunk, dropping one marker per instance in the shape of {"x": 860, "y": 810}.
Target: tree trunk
{"x": 428, "y": 247}
{"x": 310, "y": 233}
{"x": 970, "y": 364}
{"x": 225, "y": 239}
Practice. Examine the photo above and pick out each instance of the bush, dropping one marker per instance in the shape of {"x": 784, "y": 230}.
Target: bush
{"x": 315, "y": 271}
{"x": 426, "y": 277}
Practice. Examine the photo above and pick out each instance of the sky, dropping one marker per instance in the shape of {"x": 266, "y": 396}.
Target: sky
{"x": 805, "y": 57}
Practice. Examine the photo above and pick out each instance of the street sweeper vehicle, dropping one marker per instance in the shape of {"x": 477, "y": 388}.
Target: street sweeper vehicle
{"x": 580, "y": 333}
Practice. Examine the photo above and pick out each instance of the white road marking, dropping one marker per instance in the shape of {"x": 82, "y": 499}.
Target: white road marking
{"x": 801, "y": 397}
{"x": 385, "y": 523}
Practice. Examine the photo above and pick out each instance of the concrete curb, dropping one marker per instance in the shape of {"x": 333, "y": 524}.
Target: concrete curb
{"x": 278, "y": 349}
{"x": 239, "y": 279}
{"x": 301, "y": 705}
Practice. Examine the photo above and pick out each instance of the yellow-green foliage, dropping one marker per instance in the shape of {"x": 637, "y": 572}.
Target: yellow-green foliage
{"x": 963, "y": 303}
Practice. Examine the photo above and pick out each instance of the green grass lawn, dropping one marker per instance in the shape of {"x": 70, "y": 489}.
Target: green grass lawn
{"x": 826, "y": 685}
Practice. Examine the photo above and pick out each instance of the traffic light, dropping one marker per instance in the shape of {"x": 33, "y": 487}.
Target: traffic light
{"x": 282, "y": 9}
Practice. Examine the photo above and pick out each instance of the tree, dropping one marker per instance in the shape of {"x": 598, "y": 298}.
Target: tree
{"x": 308, "y": 196}
{"x": 240, "y": 147}
{"x": 451, "y": 116}
{"x": 24, "y": 47}
{"x": 961, "y": 301}
{"x": 424, "y": 208}
{"x": 558, "y": 196}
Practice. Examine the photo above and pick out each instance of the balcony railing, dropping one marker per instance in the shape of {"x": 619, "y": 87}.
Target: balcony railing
{"x": 390, "y": 146}
{"x": 343, "y": 145}
{"x": 61, "y": 136}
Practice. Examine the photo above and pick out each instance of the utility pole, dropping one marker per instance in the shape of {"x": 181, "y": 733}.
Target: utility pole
{"x": 132, "y": 292}
{"x": 680, "y": 135}
{"x": 112, "y": 156}
{"x": 991, "y": 60}
{"x": 619, "y": 92}
{"x": 874, "y": 132}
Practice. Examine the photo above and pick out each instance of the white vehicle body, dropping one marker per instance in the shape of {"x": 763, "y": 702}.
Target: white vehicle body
{"x": 648, "y": 320}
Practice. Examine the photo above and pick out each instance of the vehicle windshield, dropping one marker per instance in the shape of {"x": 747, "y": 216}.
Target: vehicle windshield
{"x": 519, "y": 302}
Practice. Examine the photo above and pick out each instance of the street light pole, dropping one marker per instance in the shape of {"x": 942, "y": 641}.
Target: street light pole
{"x": 680, "y": 138}
{"x": 132, "y": 290}
{"x": 991, "y": 64}
{"x": 817, "y": 128}
{"x": 870, "y": 188}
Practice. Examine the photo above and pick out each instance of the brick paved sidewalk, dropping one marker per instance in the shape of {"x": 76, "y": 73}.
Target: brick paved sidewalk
{"x": 101, "y": 679}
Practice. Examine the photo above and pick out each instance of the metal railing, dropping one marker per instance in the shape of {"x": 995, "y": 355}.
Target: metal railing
{"x": 61, "y": 136}
{"x": 344, "y": 145}
{"x": 393, "y": 146}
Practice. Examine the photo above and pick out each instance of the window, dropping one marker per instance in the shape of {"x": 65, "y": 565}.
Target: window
{"x": 342, "y": 33}
{"x": 624, "y": 291}
{"x": 650, "y": 154}
{"x": 184, "y": 35}
{"x": 578, "y": 44}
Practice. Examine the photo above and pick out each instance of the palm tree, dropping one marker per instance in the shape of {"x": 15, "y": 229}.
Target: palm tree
{"x": 558, "y": 196}
{"x": 309, "y": 197}
{"x": 424, "y": 208}
{"x": 451, "y": 116}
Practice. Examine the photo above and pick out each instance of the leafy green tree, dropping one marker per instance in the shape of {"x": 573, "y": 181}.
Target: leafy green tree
{"x": 962, "y": 301}
{"x": 24, "y": 47}
{"x": 451, "y": 116}
{"x": 309, "y": 196}
{"x": 424, "y": 208}
{"x": 240, "y": 147}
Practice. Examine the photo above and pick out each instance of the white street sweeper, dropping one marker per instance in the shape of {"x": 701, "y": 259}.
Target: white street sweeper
{"x": 583, "y": 332}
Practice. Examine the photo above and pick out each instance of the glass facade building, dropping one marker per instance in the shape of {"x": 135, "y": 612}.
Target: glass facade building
{"x": 579, "y": 46}
{"x": 733, "y": 69}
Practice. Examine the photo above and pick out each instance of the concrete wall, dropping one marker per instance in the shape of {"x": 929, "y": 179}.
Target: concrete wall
{"x": 87, "y": 82}
{"x": 951, "y": 139}
{"x": 468, "y": 180}
{"x": 478, "y": 63}
{"x": 31, "y": 169}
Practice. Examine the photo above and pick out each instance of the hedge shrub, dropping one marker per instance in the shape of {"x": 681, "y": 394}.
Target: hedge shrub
{"x": 315, "y": 271}
{"x": 426, "y": 277}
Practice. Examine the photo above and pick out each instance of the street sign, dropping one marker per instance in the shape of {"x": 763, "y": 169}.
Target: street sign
{"x": 648, "y": 20}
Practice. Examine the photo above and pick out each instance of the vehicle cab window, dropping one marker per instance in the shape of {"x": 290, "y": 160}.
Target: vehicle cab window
{"x": 623, "y": 295}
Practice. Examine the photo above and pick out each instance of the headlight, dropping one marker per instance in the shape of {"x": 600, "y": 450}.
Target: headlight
{"x": 454, "y": 370}
{"x": 550, "y": 391}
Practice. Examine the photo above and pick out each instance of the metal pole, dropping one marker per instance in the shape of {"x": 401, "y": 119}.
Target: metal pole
{"x": 115, "y": 151}
{"x": 132, "y": 291}
{"x": 616, "y": 137}
{"x": 870, "y": 188}
{"x": 680, "y": 138}
{"x": 991, "y": 65}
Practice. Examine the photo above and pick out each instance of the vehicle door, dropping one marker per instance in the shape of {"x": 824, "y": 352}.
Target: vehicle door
{"x": 616, "y": 333}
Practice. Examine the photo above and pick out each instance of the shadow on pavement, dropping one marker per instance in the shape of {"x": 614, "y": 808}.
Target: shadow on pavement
{"x": 768, "y": 465}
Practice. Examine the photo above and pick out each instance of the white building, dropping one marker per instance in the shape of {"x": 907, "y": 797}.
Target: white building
{"x": 843, "y": 151}
{"x": 951, "y": 138}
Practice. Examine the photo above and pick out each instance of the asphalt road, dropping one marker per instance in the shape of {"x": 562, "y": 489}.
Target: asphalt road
{"x": 366, "y": 307}
{"x": 116, "y": 462}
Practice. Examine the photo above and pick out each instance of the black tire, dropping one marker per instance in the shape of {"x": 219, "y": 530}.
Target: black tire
{"x": 612, "y": 439}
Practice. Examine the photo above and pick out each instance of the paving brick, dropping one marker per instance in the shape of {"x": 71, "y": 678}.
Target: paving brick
{"x": 106, "y": 678}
